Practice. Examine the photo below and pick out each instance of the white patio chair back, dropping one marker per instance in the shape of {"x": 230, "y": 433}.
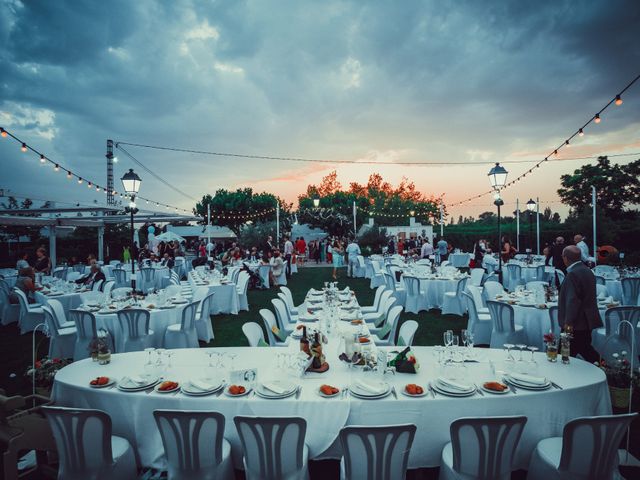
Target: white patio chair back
{"x": 205, "y": 308}
{"x": 502, "y": 316}
{"x": 412, "y": 285}
{"x": 288, "y": 298}
{"x": 393, "y": 319}
{"x": 631, "y": 290}
{"x": 134, "y": 324}
{"x": 407, "y": 332}
{"x": 264, "y": 270}
{"x": 600, "y": 280}
{"x": 541, "y": 271}
{"x": 477, "y": 274}
{"x": 59, "y": 317}
{"x": 269, "y": 320}
{"x": 84, "y": 442}
{"x": 107, "y": 287}
{"x": 389, "y": 281}
{"x": 194, "y": 444}
{"x": 253, "y": 332}
{"x": 120, "y": 276}
{"x": 461, "y": 286}
{"x": 282, "y": 312}
{"x": 376, "y": 453}
{"x": 361, "y": 263}
{"x": 188, "y": 321}
{"x": 273, "y": 447}
{"x": 476, "y": 294}
{"x": 590, "y": 446}
{"x": 86, "y": 331}
{"x": 61, "y": 273}
{"x": 491, "y": 289}
{"x": 378, "y": 297}
{"x": 147, "y": 278}
{"x": 471, "y": 308}
{"x": 484, "y": 448}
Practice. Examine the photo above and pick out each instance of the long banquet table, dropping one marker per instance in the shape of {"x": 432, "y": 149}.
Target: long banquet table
{"x": 584, "y": 392}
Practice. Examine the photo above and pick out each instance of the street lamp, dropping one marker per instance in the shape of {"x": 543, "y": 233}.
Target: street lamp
{"x": 531, "y": 206}
{"x": 316, "y": 202}
{"x": 498, "y": 179}
{"x": 131, "y": 184}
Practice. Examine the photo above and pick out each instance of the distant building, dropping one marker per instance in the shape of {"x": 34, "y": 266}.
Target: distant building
{"x": 190, "y": 232}
{"x": 414, "y": 229}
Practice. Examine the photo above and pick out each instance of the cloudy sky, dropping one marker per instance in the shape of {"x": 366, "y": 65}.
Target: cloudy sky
{"x": 410, "y": 81}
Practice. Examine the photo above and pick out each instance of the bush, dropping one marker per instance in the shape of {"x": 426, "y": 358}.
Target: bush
{"x": 372, "y": 240}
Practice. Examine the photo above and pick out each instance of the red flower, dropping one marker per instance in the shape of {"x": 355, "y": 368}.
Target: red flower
{"x": 56, "y": 360}
{"x": 38, "y": 364}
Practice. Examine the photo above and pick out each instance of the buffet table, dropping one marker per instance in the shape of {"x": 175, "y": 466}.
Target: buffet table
{"x": 582, "y": 391}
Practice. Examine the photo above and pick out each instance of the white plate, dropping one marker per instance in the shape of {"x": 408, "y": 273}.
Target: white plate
{"x": 264, "y": 392}
{"x": 179, "y": 302}
{"x": 424, "y": 393}
{"x": 129, "y": 385}
{"x": 108, "y": 384}
{"x": 525, "y": 385}
{"x": 495, "y": 392}
{"x": 189, "y": 389}
{"x": 247, "y": 390}
{"x": 156, "y": 389}
{"x": 443, "y": 389}
{"x": 329, "y": 396}
{"x": 360, "y": 392}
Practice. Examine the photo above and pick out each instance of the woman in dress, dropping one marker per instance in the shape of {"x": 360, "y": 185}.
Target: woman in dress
{"x": 337, "y": 251}
{"x": 43, "y": 264}
{"x": 277, "y": 266}
{"x": 506, "y": 251}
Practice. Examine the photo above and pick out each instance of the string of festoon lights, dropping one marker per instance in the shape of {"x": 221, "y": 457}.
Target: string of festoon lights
{"x": 596, "y": 119}
{"x": 230, "y": 215}
{"x": 57, "y": 167}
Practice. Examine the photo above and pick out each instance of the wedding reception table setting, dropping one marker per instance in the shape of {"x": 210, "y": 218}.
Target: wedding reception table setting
{"x": 225, "y": 299}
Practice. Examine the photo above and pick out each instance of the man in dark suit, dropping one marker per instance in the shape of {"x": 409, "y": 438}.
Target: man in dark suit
{"x": 95, "y": 275}
{"x": 555, "y": 255}
{"x": 577, "y": 305}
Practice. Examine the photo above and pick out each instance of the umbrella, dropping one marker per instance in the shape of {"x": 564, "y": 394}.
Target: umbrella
{"x": 169, "y": 236}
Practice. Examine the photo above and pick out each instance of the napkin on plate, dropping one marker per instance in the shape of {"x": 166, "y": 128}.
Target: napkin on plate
{"x": 201, "y": 384}
{"x": 454, "y": 385}
{"x": 275, "y": 388}
{"x": 533, "y": 380}
{"x": 373, "y": 388}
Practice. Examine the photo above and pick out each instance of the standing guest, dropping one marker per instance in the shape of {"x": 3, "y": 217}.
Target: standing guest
{"x": 277, "y": 265}
{"x": 479, "y": 250}
{"x": 507, "y": 251}
{"x": 391, "y": 247}
{"x": 301, "y": 247}
{"x": 22, "y": 261}
{"x": 322, "y": 250}
{"x": 94, "y": 275}
{"x": 312, "y": 250}
{"x": 43, "y": 264}
{"x": 26, "y": 282}
{"x": 443, "y": 249}
{"x": 329, "y": 251}
{"x": 582, "y": 245}
{"x": 288, "y": 253}
{"x": 426, "y": 250}
{"x": 555, "y": 255}
{"x": 202, "y": 251}
{"x": 268, "y": 246}
{"x": 126, "y": 255}
{"x": 336, "y": 253}
{"x": 400, "y": 246}
{"x": 253, "y": 255}
{"x": 353, "y": 250}
{"x": 577, "y": 305}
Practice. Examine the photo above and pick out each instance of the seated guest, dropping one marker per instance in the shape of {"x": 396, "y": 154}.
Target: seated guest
{"x": 91, "y": 258}
{"x": 167, "y": 261}
{"x": 43, "y": 264}
{"x": 95, "y": 275}
{"x": 26, "y": 282}
{"x": 22, "y": 261}
{"x": 253, "y": 255}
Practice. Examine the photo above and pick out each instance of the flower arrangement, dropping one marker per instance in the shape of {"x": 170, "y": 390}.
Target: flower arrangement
{"x": 549, "y": 338}
{"x": 618, "y": 372}
{"x": 45, "y": 370}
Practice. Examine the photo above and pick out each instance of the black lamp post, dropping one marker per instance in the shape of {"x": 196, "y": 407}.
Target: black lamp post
{"x": 498, "y": 178}
{"x": 531, "y": 206}
{"x": 131, "y": 184}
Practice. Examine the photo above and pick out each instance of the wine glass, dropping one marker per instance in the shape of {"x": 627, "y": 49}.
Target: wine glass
{"x": 508, "y": 347}
{"x": 149, "y": 366}
{"x": 464, "y": 336}
{"x": 448, "y": 338}
{"x": 533, "y": 350}
{"x": 521, "y": 347}
{"x": 232, "y": 356}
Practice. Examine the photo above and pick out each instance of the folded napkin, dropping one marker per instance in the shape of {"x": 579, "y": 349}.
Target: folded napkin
{"x": 373, "y": 388}
{"x": 523, "y": 377}
{"x": 275, "y": 388}
{"x": 200, "y": 384}
{"x": 454, "y": 385}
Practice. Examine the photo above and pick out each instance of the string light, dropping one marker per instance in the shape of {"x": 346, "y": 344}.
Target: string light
{"x": 24, "y": 147}
{"x": 581, "y": 133}
{"x": 3, "y": 132}
{"x": 596, "y": 118}
{"x": 79, "y": 180}
{"x": 42, "y": 159}
{"x": 57, "y": 168}
{"x": 618, "y": 100}
{"x": 69, "y": 175}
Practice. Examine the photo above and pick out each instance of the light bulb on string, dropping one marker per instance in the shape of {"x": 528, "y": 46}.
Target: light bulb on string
{"x": 69, "y": 175}
{"x": 97, "y": 188}
{"x": 42, "y": 159}
{"x": 618, "y": 100}
{"x": 581, "y": 133}
{"x": 23, "y": 147}
{"x": 56, "y": 168}
{"x": 3, "y": 132}
{"x": 79, "y": 180}
{"x": 567, "y": 143}
{"x": 596, "y": 118}
{"x": 89, "y": 185}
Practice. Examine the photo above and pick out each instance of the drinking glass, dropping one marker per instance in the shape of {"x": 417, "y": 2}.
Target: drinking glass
{"x": 232, "y": 357}
{"x": 149, "y": 367}
{"x": 533, "y": 350}
{"x": 508, "y": 347}
{"x": 463, "y": 336}
{"x": 521, "y": 347}
{"x": 448, "y": 338}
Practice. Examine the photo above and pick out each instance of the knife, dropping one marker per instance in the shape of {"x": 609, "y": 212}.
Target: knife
{"x": 478, "y": 390}
{"x": 433, "y": 392}
{"x": 393, "y": 391}
{"x": 555, "y": 385}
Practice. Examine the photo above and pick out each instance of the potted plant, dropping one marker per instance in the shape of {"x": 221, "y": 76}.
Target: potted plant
{"x": 44, "y": 371}
{"x": 618, "y": 374}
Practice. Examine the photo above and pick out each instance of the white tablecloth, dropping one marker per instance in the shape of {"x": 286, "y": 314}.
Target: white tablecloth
{"x": 10, "y": 275}
{"x": 528, "y": 273}
{"x": 435, "y": 290}
{"x": 584, "y": 393}
{"x": 460, "y": 260}
{"x": 225, "y": 298}
{"x": 68, "y": 300}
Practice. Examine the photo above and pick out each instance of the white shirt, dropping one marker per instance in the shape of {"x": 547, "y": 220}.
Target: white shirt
{"x": 584, "y": 250}
{"x": 22, "y": 264}
{"x": 353, "y": 249}
{"x": 426, "y": 250}
{"x": 288, "y": 248}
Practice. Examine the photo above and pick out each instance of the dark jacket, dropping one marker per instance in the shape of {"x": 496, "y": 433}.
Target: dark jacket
{"x": 555, "y": 256}
{"x": 577, "y": 305}
{"x": 83, "y": 280}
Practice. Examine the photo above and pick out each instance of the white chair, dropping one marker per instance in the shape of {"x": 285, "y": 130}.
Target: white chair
{"x": 120, "y": 276}
{"x": 243, "y": 284}
{"x": 361, "y": 268}
{"x": 269, "y": 320}
{"x": 385, "y": 336}
{"x": 587, "y": 450}
{"x": 407, "y": 332}
{"x": 86, "y": 332}
{"x": 477, "y": 274}
{"x": 183, "y": 334}
{"x": 376, "y": 453}
{"x": 147, "y": 279}
{"x": 9, "y": 313}
{"x": 86, "y": 447}
{"x": 378, "y": 318}
{"x": 134, "y": 325}
{"x": 559, "y": 277}
{"x": 514, "y": 277}
{"x": 541, "y": 273}
{"x": 61, "y": 341}
{"x": 452, "y": 302}
{"x": 204, "y": 327}
{"x": 107, "y": 287}
{"x": 79, "y": 268}
{"x": 254, "y": 334}
{"x": 273, "y": 448}
{"x": 476, "y": 294}
{"x": 481, "y": 448}
{"x": 194, "y": 445}
{"x": 613, "y": 337}
{"x": 491, "y": 290}
{"x": 377, "y": 278}
{"x": 600, "y": 280}
{"x": 601, "y": 291}
{"x": 479, "y": 324}
{"x": 630, "y": 290}
{"x": 398, "y": 291}
{"x": 97, "y": 286}
{"x": 288, "y": 298}
{"x": 30, "y": 314}
{"x": 285, "y": 322}
{"x": 504, "y": 328}
{"x": 282, "y": 278}
{"x": 263, "y": 271}
{"x": 376, "y": 301}
{"x": 414, "y": 297}
{"x": 61, "y": 273}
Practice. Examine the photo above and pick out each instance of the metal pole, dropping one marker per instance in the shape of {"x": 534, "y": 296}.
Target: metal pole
{"x": 531, "y": 232}
{"x": 355, "y": 230}
{"x": 593, "y": 202}
{"x": 111, "y": 201}
{"x": 537, "y": 225}
{"x": 277, "y": 224}
{"x": 499, "y": 243}
{"x": 441, "y": 221}
{"x": 518, "y": 224}
{"x": 133, "y": 262}
{"x": 208, "y": 228}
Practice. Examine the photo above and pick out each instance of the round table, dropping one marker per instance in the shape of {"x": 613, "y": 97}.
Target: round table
{"x": 435, "y": 288}
{"x": 132, "y": 413}
{"x": 225, "y": 298}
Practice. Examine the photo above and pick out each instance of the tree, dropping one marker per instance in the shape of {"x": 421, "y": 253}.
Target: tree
{"x": 616, "y": 186}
